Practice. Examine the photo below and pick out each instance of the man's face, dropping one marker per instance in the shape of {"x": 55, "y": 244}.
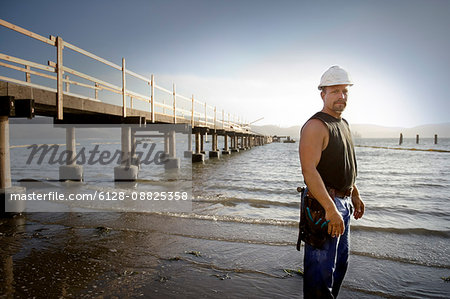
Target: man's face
{"x": 335, "y": 98}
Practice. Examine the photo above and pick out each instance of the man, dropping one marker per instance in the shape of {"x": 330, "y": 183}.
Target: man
{"x": 328, "y": 165}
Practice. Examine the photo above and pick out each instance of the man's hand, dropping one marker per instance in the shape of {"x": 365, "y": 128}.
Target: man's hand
{"x": 358, "y": 204}
{"x": 336, "y": 224}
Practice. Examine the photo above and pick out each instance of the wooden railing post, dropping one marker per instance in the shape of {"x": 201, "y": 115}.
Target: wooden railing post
{"x": 215, "y": 119}
{"x": 67, "y": 83}
{"x": 59, "y": 77}
{"x": 96, "y": 91}
{"x": 27, "y": 74}
{"x": 152, "y": 98}
{"x": 124, "y": 92}
{"x": 174, "y": 105}
{"x": 192, "y": 113}
{"x": 206, "y": 119}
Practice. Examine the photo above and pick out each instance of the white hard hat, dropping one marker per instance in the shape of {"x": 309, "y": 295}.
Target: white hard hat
{"x": 335, "y": 75}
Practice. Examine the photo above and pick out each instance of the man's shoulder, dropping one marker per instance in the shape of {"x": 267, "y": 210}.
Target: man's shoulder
{"x": 315, "y": 125}
{"x": 316, "y": 120}
{"x": 315, "y": 131}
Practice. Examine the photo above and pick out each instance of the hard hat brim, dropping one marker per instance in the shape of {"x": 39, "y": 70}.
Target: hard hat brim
{"x": 334, "y": 84}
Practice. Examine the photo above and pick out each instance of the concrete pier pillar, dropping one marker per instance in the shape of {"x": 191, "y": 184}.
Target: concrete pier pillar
{"x": 126, "y": 171}
{"x": 5, "y": 174}
{"x": 134, "y": 158}
{"x": 197, "y": 156}
{"x": 166, "y": 146}
{"x": 214, "y": 153}
{"x": 226, "y": 149}
{"x": 242, "y": 145}
{"x": 188, "y": 153}
{"x": 234, "y": 146}
{"x": 71, "y": 171}
{"x": 202, "y": 143}
{"x": 172, "y": 161}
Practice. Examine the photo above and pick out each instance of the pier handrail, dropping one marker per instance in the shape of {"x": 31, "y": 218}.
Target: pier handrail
{"x": 205, "y": 115}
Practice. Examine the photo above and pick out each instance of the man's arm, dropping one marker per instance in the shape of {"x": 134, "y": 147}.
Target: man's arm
{"x": 314, "y": 139}
{"x": 357, "y": 203}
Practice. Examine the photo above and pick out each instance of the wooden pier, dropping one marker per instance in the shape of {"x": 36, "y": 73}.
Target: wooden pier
{"x": 71, "y": 96}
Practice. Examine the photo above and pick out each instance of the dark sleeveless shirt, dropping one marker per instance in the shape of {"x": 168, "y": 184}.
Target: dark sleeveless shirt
{"x": 337, "y": 165}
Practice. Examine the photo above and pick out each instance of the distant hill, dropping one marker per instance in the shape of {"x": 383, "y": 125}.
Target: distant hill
{"x": 367, "y": 131}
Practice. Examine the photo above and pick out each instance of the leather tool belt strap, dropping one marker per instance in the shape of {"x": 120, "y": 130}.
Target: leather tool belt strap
{"x": 337, "y": 193}
{"x": 332, "y": 192}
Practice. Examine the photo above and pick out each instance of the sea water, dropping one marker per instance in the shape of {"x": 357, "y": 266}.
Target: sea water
{"x": 400, "y": 248}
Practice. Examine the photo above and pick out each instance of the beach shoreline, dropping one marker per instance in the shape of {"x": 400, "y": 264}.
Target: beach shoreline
{"x": 128, "y": 255}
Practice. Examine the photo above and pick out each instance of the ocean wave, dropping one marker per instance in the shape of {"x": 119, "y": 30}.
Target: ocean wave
{"x": 291, "y": 223}
{"x": 253, "y": 202}
{"x": 400, "y": 259}
{"x": 403, "y": 231}
{"x": 429, "y": 185}
{"x": 252, "y": 189}
{"x": 259, "y": 203}
{"x": 374, "y": 293}
{"x": 398, "y": 211}
{"x": 227, "y": 218}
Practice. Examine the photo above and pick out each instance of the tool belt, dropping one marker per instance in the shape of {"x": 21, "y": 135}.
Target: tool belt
{"x": 313, "y": 227}
{"x": 337, "y": 193}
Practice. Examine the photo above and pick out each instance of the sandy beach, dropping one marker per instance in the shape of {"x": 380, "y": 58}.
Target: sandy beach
{"x": 132, "y": 255}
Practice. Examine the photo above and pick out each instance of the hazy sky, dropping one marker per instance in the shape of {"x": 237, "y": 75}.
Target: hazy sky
{"x": 265, "y": 58}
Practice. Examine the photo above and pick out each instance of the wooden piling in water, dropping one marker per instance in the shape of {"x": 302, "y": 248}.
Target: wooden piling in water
{"x": 417, "y": 139}
{"x": 401, "y": 139}
{"x": 435, "y": 139}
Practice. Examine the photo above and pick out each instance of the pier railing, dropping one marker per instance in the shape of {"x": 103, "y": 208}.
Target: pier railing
{"x": 178, "y": 107}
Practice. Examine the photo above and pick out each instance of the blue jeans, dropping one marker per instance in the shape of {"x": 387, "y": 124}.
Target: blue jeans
{"x": 325, "y": 268}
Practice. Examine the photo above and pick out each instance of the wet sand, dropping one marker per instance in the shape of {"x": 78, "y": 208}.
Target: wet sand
{"x": 132, "y": 255}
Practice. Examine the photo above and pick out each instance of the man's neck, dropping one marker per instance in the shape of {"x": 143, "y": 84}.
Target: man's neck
{"x": 334, "y": 114}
